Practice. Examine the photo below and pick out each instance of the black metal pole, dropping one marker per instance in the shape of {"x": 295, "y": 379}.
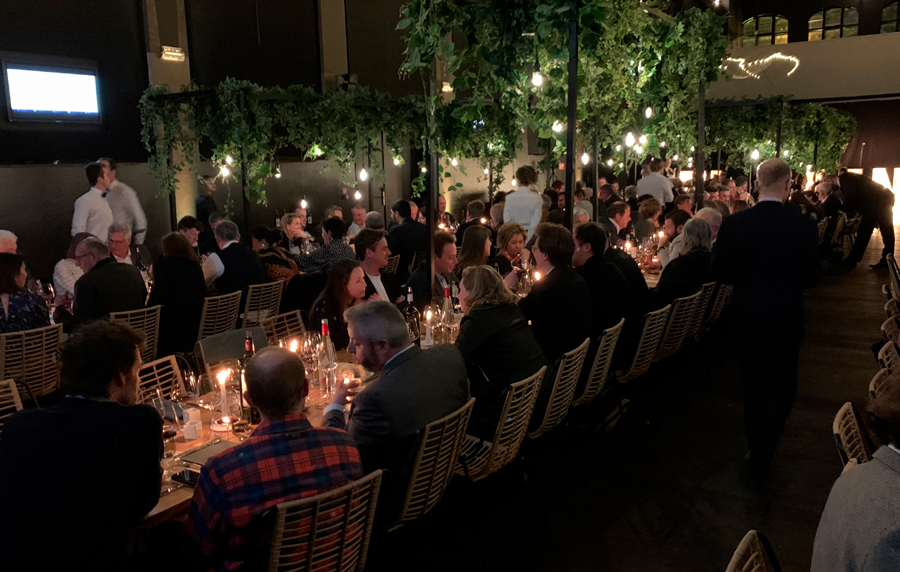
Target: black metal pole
{"x": 570, "y": 120}
{"x": 596, "y": 147}
{"x": 173, "y": 216}
{"x": 700, "y": 161}
{"x": 434, "y": 188}
{"x": 244, "y": 173}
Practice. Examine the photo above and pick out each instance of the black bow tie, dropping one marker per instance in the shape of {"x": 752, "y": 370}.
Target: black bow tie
{"x": 104, "y": 194}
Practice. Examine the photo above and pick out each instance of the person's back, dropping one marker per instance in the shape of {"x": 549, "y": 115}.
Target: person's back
{"x": 406, "y": 239}
{"x": 632, "y": 273}
{"x": 109, "y": 286}
{"x": 242, "y": 269}
{"x": 657, "y": 186}
{"x": 179, "y": 287}
{"x": 559, "y": 308}
{"x": 683, "y": 277}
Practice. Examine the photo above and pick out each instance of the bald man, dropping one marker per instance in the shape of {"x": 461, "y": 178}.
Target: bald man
{"x": 769, "y": 254}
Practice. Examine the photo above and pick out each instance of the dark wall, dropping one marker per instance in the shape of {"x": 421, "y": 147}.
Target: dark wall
{"x": 375, "y": 47}
{"x": 110, "y": 32}
{"x": 268, "y": 42}
{"x": 798, "y": 13}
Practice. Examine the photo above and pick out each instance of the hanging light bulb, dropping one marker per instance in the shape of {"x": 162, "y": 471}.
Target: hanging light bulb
{"x": 454, "y": 162}
{"x": 303, "y": 203}
{"x": 692, "y": 148}
{"x": 786, "y": 153}
{"x": 638, "y": 149}
{"x": 537, "y": 80}
{"x": 363, "y": 174}
{"x": 487, "y": 171}
{"x": 585, "y": 158}
{"x": 357, "y": 195}
{"x": 514, "y": 183}
{"x": 557, "y": 127}
{"x": 610, "y": 162}
{"x": 662, "y": 145}
{"x": 675, "y": 157}
{"x": 643, "y": 140}
{"x": 229, "y": 159}
{"x": 618, "y": 147}
{"x": 629, "y": 139}
{"x": 621, "y": 165}
{"x": 755, "y": 155}
{"x": 277, "y": 172}
{"x": 648, "y": 113}
{"x": 424, "y": 169}
{"x": 225, "y": 171}
{"x": 396, "y": 161}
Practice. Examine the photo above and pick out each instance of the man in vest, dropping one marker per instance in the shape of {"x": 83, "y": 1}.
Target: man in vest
{"x": 235, "y": 267}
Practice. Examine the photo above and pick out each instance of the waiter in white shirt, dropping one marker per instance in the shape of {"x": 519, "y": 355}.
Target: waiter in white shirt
{"x": 124, "y": 203}
{"x": 92, "y": 212}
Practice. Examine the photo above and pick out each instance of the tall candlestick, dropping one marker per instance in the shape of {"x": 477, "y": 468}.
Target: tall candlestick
{"x": 223, "y": 377}
{"x": 428, "y": 339}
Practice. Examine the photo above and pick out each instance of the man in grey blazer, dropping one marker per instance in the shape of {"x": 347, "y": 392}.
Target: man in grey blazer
{"x": 413, "y": 389}
{"x": 860, "y": 526}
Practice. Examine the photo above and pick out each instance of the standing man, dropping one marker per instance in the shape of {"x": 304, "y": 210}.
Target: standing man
{"x": 124, "y": 203}
{"x": 874, "y": 203}
{"x": 406, "y": 237}
{"x": 769, "y": 254}
{"x": 206, "y": 204}
{"x": 92, "y": 212}
{"x": 656, "y": 184}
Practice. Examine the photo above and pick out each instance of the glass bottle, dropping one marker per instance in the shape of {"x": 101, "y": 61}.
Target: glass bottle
{"x": 411, "y": 315}
{"x": 327, "y": 363}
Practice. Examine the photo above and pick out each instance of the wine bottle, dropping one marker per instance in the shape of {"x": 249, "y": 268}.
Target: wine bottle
{"x": 251, "y": 413}
{"x": 411, "y": 315}
{"x": 327, "y": 365}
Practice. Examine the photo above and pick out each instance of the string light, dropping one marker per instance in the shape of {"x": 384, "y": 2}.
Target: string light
{"x": 363, "y": 174}
{"x": 610, "y": 162}
{"x": 397, "y": 161}
{"x": 674, "y": 157}
{"x": 487, "y": 171}
{"x": 229, "y": 159}
{"x": 357, "y": 195}
{"x": 618, "y": 147}
{"x": 303, "y": 203}
{"x": 648, "y": 113}
{"x": 756, "y": 67}
{"x": 424, "y": 169}
{"x": 662, "y": 145}
{"x": 454, "y": 162}
{"x": 537, "y": 80}
{"x": 557, "y": 127}
{"x": 638, "y": 149}
{"x": 629, "y": 139}
{"x": 514, "y": 183}
{"x": 643, "y": 140}
{"x": 786, "y": 153}
{"x": 225, "y": 171}
{"x": 755, "y": 155}
{"x": 277, "y": 172}
{"x": 585, "y": 158}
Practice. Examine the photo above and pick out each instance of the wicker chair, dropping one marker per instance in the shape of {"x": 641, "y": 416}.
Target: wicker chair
{"x": 329, "y": 531}
{"x": 435, "y": 460}
{"x": 876, "y": 386}
{"x": 283, "y": 326}
{"x": 263, "y": 301}
{"x": 392, "y": 265}
{"x": 889, "y": 330}
{"x": 848, "y": 435}
{"x": 600, "y": 368}
{"x": 889, "y": 359}
{"x": 823, "y": 224}
{"x": 220, "y": 314}
{"x": 838, "y": 229}
{"x": 891, "y": 309}
{"x": 567, "y": 374}
{"x": 848, "y": 233}
{"x": 162, "y": 374}
{"x": 654, "y": 325}
{"x": 680, "y": 320}
{"x": 145, "y": 321}
{"x": 211, "y": 351}
{"x": 722, "y": 299}
{"x": 753, "y": 554}
{"x": 31, "y": 358}
{"x": 9, "y": 400}
{"x": 479, "y": 459}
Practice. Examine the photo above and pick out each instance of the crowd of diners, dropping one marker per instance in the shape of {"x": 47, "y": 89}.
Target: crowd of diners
{"x": 588, "y": 283}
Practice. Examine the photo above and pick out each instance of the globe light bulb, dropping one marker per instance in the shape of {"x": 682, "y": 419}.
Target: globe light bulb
{"x": 514, "y": 183}
{"x": 618, "y": 147}
{"x": 397, "y": 161}
{"x": 648, "y": 113}
{"x": 363, "y": 174}
{"x": 278, "y": 173}
{"x": 786, "y": 153}
{"x": 424, "y": 169}
{"x": 585, "y": 158}
{"x": 225, "y": 171}
{"x": 487, "y": 171}
{"x": 755, "y": 155}
{"x": 557, "y": 127}
{"x": 674, "y": 157}
{"x": 229, "y": 159}
{"x": 629, "y": 139}
{"x": 662, "y": 145}
{"x": 303, "y": 203}
{"x": 643, "y": 140}
{"x": 454, "y": 162}
{"x": 537, "y": 80}
{"x": 357, "y": 195}
{"x": 610, "y": 162}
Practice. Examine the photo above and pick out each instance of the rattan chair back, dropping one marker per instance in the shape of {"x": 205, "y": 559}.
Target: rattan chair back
{"x": 327, "y": 532}
{"x": 31, "y": 358}
{"x": 753, "y": 554}
{"x": 145, "y": 321}
{"x": 564, "y": 384}
{"x": 891, "y": 309}
{"x": 888, "y": 357}
{"x": 479, "y": 459}
{"x": 9, "y": 400}
{"x": 283, "y": 327}
{"x": 849, "y": 435}
{"x": 210, "y": 352}
{"x": 838, "y": 228}
{"x": 603, "y": 357}
{"x": 723, "y": 296}
{"x": 823, "y": 224}
{"x": 889, "y": 330}
{"x": 651, "y": 334}
{"x": 220, "y": 314}
{"x": 435, "y": 462}
{"x": 392, "y": 265}
{"x": 700, "y": 310}
{"x": 678, "y": 327}
{"x": 263, "y": 301}
{"x": 162, "y": 374}
{"x": 877, "y": 385}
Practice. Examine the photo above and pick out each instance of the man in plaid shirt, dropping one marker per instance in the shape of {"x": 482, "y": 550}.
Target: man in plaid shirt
{"x": 285, "y": 459}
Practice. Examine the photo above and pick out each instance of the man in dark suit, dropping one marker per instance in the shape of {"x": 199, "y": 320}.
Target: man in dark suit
{"x": 106, "y": 286}
{"x": 414, "y": 388}
{"x": 617, "y": 219}
{"x": 474, "y": 214}
{"x": 769, "y": 254}
{"x": 864, "y": 196}
{"x": 124, "y": 250}
{"x": 633, "y": 275}
{"x": 77, "y": 477}
{"x": 406, "y": 238}
{"x": 607, "y": 196}
{"x": 234, "y": 268}
{"x": 207, "y": 239}
{"x": 444, "y": 260}
{"x": 372, "y": 252}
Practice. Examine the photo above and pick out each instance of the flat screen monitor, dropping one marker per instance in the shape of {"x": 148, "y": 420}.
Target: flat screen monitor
{"x": 51, "y": 93}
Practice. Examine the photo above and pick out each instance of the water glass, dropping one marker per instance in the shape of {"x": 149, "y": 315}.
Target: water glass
{"x": 169, "y": 433}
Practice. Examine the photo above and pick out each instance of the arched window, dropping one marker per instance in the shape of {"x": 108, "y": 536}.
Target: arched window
{"x": 765, "y": 30}
{"x": 890, "y": 18}
{"x": 834, "y": 23}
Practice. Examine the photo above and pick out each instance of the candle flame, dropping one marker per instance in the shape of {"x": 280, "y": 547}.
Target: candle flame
{"x": 537, "y": 275}
{"x": 627, "y": 246}
{"x": 428, "y": 314}
{"x": 226, "y": 419}
{"x": 294, "y": 345}
{"x": 223, "y": 376}
{"x": 662, "y": 233}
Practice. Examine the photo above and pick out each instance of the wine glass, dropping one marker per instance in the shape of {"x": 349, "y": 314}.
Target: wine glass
{"x": 308, "y": 350}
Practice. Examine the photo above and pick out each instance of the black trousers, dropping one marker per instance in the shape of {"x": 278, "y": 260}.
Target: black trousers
{"x": 883, "y": 218}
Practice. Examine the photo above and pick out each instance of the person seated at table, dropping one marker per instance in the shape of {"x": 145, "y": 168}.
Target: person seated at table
{"x": 234, "y": 268}
{"x": 670, "y": 248}
{"x": 67, "y": 272}
{"x": 618, "y": 216}
{"x": 123, "y": 250}
{"x": 344, "y": 287}
{"x": 373, "y": 253}
{"x": 375, "y": 220}
{"x": 443, "y": 258}
{"x": 78, "y": 476}
{"x": 738, "y": 205}
{"x": 107, "y": 286}
{"x": 685, "y": 203}
{"x": 497, "y": 215}
{"x": 511, "y": 244}
{"x": 358, "y": 212}
{"x": 648, "y": 225}
{"x": 292, "y": 225}
{"x": 333, "y": 250}
{"x": 413, "y": 388}
{"x": 686, "y": 274}
{"x": 496, "y": 342}
{"x": 829, "y": 207}
{"x": 476, "y": 249}
{"x": 579, "y": 216}
{"x": 714, "y": 219}
{"x": 190, "y": 228}
{"x": 284, "y": 459}
{"x": 178, "y": 286}
{"x": 19, "y": 309}
{"x": 277, "y": 261}
{"x": 207, "y": 239}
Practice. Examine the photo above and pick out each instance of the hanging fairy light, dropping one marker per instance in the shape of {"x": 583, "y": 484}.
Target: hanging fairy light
{"x": 225, "y": 171}
{"x": 357, "y": 195}
{"x": 648, "y": 113}
{"x": 786, "y": 153}
{"x": 487, "y": 171}
{"x": 629, "y": 139}
{"x": 424, "y": 169}
{"x": 755, "y": 155}
{"x": 643, "y": 140}
{"x": 675, "y": 157}
{"x": 514, "y": 183}
{"x": 363, "y": 174}
{"x": 454, "y": 162}
{"x": 229, "y": 159}
{"x": 610, "y": 162}
{"x": 396, "y": 161}
{"x": 585, "y": 158}
{"x": 277, "y": 172}
{"x": 303, "y": 203}
{"x": 618, "y": 147}
{"x": 557, "y": 127}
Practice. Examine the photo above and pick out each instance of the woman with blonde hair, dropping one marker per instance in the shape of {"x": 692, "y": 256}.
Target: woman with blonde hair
{"x": 496, "y": 342}
{"x": 511, "y": 247}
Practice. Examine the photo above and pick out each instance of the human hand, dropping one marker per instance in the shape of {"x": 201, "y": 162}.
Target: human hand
{"x": 345, "y": 392}
{"x": 375, "y": 298}
{"x": 511, "y": 280}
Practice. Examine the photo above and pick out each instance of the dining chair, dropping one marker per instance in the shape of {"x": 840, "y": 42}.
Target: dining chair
{"x": 145, "y": 321}
{"x": 9, "y": 400}
{"x": 283, "y": 326}
{"x": 891, "y": 309}
{"x": 680, "y": 319}
{"x": 565, "y": 381}
{"x": 220, "y": 314}
{"x": 889, "y": 359}
{"x": 479, "y": 459}
{"x": 848, "y": 435}
{"x": 392, "y": 265}
{"x": 889, "y": 330}
{"x": 753, "y": 554}
{"x": 162, "y": 374}
{"x": 823, "y": 225}
{"x": 700, "y": 310}
{"x": 263, "y": 300}
{"x": 651, "y": 333}
{"x": 723, "y": 296}
{"x": 435, "y": 461}
{"x": 31, "y": 358}
{"x": 596, "y": 379}
{"x": 877, "y": 385}
{"x": 329, "y": 531}
{"x": 213, "y": 350}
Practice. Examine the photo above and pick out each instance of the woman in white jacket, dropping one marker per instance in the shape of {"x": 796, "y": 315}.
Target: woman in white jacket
{"x": 524, "y": 205}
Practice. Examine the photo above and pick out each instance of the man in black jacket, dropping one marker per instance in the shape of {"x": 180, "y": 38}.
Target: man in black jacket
{"x": 373, "y": 252}
{"x": 769, "y": 254}
{"x": 77, "y": 477}
{"x": 633, "y": 275}
{"x": 864, "y": 196}
{"x": 443, "y": 258}
{"x": 406, "y": 238}
{"x": 107, "y": 286}
{"x": 234, "y": 267}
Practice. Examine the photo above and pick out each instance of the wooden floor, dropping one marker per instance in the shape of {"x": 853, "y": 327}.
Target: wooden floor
{"x": 669, "y": 495}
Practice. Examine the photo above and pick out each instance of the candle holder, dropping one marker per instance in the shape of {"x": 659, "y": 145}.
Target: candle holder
{"x": 222, "y": 424}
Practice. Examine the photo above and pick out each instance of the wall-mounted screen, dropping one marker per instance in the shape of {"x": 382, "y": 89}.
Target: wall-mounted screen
{"x": 51, "y": 93}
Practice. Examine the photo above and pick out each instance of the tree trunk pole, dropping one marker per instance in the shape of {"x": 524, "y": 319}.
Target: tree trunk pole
{"x": 571, "y": 118}
{"x": 700, "y": 161}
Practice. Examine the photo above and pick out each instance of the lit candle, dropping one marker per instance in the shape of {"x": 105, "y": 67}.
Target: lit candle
{"x": 223, "y": 376}
{"x": 628, "y": 247}
{"x": 294, "y": 345}
{"x": 537, "y": 275}
{"x": 662, "y": 233}
{"x": 428, "y": 340}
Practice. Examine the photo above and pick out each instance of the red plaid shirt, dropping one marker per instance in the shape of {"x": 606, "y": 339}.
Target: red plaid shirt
{"x": 282, "y": 461}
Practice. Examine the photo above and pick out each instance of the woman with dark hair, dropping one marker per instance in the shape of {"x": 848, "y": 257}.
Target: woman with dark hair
{"x": 260, "y": 237}
{"x": 19, "y": 309}
{"x": 275, "y": 258}
{"x": 334, "y": 250}
{"x": 345, "y": 287}
{"x": 496, "y": 342}
{"x": 476, "y": 248}
{"x": 511, "y": 244}
{"x": 179, "y": 287}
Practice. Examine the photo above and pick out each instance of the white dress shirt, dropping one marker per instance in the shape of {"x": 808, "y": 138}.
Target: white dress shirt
{"x": 213, "y": 267}
{"x": 92, "y": 214}
{"x": 379, "y": 287}
{"x": 126, "y": 209}
{"x": 524, "y": 207}
{"x": 667, "y": 255}
{"x": 659, "y": 187}
{"x": 65, "y": 274}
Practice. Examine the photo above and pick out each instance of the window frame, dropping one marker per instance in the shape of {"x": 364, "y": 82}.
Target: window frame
{"x": 824, "y": 27}
{"x": 895, "y": 21}
{"x": 773, "y": 34}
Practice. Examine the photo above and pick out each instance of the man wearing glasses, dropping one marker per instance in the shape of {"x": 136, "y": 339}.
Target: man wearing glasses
{"x": 107, "y": 286}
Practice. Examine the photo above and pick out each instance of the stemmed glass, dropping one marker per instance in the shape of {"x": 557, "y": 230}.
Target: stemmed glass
{"x": 308, "y": 350}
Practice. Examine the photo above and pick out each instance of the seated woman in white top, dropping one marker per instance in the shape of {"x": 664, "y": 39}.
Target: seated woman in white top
{"x": 66, "y": 272}
{"x": 524, "y": 206}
